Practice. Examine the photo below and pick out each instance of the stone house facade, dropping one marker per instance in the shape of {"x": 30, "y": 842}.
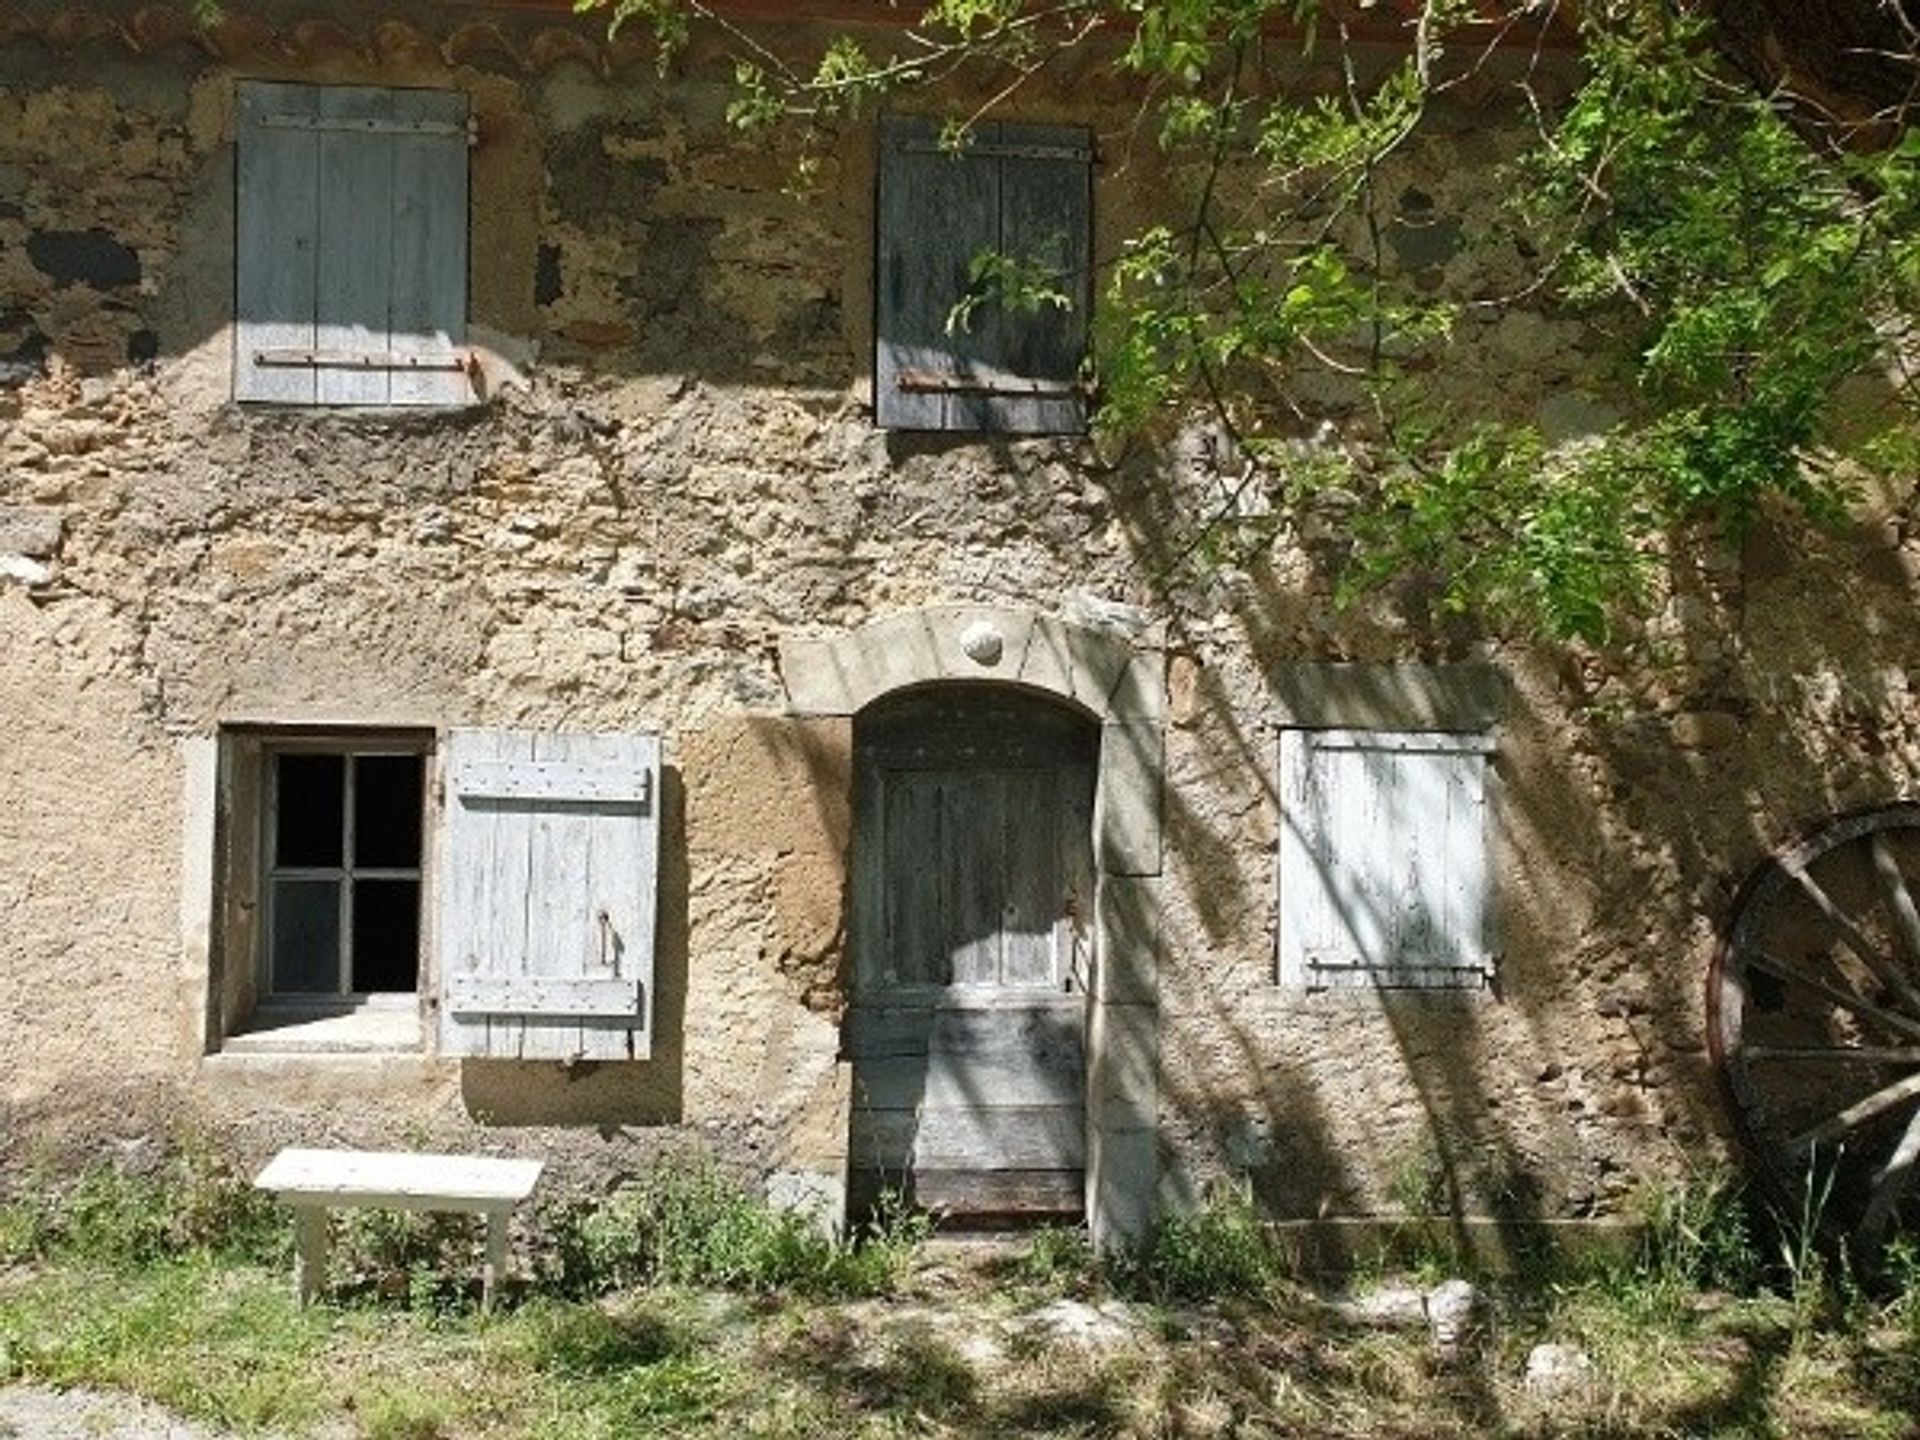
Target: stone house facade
{"x": 567, "y": 720}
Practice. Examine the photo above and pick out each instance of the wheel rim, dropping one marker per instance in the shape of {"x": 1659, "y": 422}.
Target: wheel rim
{"x": 1813, "y": 1011}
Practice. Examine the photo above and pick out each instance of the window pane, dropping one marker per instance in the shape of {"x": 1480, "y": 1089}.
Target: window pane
{"x": 386, "y": 934}
{"x": 311, "y": 790}
{"x": 386, "y": 811}
{"x": 306, "y": 937}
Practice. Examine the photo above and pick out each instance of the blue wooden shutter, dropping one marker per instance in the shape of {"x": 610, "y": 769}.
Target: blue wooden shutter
{"x": 1383, "y": 873}
{"x": 351, "y": 265}
{"x": 547, "y": 895}
{"x": 276, "y": 241}
{"x": 1021, "y": 190}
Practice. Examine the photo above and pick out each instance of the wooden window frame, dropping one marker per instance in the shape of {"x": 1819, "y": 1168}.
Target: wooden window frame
{"x": 287, "y": 357}
{"x": 929, "y": 385}
{"x": 1305, "y": 827}
{"x": 347, "y": 874}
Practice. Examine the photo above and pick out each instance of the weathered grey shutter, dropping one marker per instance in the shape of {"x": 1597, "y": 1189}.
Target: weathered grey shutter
{"x": 1021, "y": 190}
{"x": 276, "y": 241}
{"x": 351, "y": 263}
{"x": 548, "y": 895}
{"x": 1383, "y": 877}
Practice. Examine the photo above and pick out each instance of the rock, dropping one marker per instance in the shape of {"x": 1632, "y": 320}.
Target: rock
{"x": 1102, "y": 613}
{"x": 1392, "y": 1307}
{"x": 1098, "y": 1327}
{"x": 1558, "y": 1372}
{"x": 27, "y": 572}
{"x": 1453, "y": 1316}
{"x": 30, "y": 530}
{"x": 1706, "y": 729}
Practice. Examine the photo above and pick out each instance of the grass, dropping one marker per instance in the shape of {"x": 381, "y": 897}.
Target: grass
{"x": 683, "y": 1308}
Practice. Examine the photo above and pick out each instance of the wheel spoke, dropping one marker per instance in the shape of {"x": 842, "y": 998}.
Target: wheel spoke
{"x": 1906, "y": 917}
{"x": 1887, "y": 974}
{"x": 1865, "y": 1009}
{"x": 1857, "y": 1113}
{"x": 1891, "y": 1182}
{"x": 1837, "y": 1054}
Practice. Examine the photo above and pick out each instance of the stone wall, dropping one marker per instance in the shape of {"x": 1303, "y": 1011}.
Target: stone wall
{"x": 673, "y": 472}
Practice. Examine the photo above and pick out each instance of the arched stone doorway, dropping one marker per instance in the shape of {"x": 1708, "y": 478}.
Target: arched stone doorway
{"x": 972, "y": 947}
{"x": 1120, "y": 686}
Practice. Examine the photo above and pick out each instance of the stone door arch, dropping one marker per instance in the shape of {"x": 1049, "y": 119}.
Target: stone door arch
{"x": 1122, "y": 687}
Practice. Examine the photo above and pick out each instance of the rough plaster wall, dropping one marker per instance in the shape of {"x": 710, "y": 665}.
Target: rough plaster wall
{"x": 693, "y": 473}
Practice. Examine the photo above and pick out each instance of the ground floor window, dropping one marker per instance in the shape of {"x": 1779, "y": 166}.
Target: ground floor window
{"x": 341, "y": 882}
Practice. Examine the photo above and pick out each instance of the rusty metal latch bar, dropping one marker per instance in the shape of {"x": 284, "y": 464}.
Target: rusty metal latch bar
{"x": 929, "y": 382}
{"x": 373, "y": 125}
{"x": 1004, "y": 152}
{"x": 364, "y": 360}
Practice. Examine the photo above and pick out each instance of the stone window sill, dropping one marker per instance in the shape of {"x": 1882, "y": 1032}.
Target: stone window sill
{"x": 373, "y": 1027}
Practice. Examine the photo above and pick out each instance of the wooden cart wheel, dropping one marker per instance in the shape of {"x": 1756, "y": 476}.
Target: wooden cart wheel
{"x": 1813, "y": 1019}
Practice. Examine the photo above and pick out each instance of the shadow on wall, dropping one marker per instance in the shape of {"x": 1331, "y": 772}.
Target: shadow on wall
{"x": 1778, "y": 695}
{"x": 1632, "y": 794}
{"x": 647, "y": 1092}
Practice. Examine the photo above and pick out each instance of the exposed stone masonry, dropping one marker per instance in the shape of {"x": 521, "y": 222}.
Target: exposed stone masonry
{"x": 674, "y": 472}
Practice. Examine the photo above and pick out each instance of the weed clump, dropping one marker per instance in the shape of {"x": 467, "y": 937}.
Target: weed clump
{"x": 689, "y": 1223}
{"x": 1222, "y": 1248}
{"x": 192, "y": 1202}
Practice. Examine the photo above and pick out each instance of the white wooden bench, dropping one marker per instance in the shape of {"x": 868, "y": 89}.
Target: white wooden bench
{"x": 314, "y": 1181}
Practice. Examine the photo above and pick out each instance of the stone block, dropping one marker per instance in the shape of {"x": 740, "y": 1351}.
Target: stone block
{"x": 1141, "y": 693}
{"x": 1123, "y": 1045}
{"x": 818, "y": 1195}
{"x": 1389, "y": 697}
{"x": 1132, "y": 934}
{"x": 1127, "y": 821}
{"x": 815, "y": 1135}
{"x": 1076, "y": 662}
{"x": 27, "y": 572}
{"x": 1122, "y": 1185}
{"x": 815, "y": 681}
{"x": 768, "y": 783}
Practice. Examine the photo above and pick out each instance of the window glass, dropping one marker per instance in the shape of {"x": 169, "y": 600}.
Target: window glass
{"x": 386, "y": 935}
{"x": 310, "y": 791}
{"x": 306, "y": 937}
{"x": 386, "y": 811}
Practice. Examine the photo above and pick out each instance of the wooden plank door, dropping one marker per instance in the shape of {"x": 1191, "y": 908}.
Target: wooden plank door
{"x": 972, "y": 934}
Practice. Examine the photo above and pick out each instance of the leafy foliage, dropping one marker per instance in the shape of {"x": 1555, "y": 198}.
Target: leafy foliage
{"x": 1745, "y": 270}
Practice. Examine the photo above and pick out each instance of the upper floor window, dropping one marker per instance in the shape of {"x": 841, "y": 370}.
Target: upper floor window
{"x": 983, "y": 284}
{"x": 351, "y": 246}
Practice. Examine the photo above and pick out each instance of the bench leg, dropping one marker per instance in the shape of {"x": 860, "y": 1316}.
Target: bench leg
{"x": 309, "y": 1252}
{"x": 496, "y": 1267}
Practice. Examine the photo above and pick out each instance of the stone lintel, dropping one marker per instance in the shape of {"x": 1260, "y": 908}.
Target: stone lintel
{"x": 1389, "y": 697}
{"x": 1141, "y": 691}
{"x": 1097, "y": 671}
